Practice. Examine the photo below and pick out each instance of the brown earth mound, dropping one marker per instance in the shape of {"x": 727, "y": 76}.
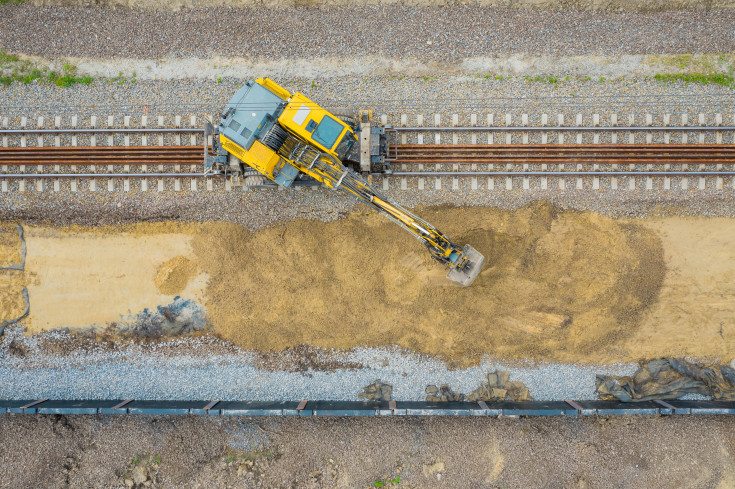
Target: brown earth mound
{"x": 12, "y": 303}
{"x": 556, "y": 285}
{"x": 173, "y": 275}
{"x": 10, "y": 245}
{"x": 12, "y": 282}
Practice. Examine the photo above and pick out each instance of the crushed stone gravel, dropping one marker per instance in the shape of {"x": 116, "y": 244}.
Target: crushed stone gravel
{"x": 137, "y": 373}
{"x": 443, "y": 34}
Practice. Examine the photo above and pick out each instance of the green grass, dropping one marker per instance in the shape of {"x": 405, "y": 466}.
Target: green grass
{"x": 545, "y": 79}
{"x": 722, "y": 79}
{"x": 6, "y": 2}
{"x": 14, "y": 69}
{"x": 385, "y": 483}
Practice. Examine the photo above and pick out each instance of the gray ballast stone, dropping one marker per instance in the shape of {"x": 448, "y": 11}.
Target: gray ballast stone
{"x": 129, "y": 372}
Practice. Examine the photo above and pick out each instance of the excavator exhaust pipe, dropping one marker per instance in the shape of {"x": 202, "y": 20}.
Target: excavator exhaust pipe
{"x": 470, "y": 270}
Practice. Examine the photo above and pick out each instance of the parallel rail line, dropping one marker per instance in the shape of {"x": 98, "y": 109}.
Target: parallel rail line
{"x": 559, "y": 128}
{"x": 405, "y": 160}
{"x": 102, "y": 155}
{"x": 561, "y": 154}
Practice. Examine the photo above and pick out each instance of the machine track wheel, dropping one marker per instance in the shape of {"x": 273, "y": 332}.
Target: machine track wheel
{"x": 253, "y": 181}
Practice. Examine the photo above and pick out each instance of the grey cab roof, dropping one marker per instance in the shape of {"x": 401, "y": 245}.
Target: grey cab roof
{"x": 252, "y": 104}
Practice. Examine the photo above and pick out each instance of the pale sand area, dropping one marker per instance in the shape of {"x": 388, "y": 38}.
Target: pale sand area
{"x": 695, "y": 313}
{"x": 88, "y": 279}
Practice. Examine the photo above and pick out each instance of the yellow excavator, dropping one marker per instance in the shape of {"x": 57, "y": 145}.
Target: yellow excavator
{"x": 269, "y": 136}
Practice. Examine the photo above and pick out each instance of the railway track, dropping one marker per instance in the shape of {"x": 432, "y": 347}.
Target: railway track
{"x": 621, "y": 154}
{"x": 404, "y": 161}
{"x": 103, "y": 155}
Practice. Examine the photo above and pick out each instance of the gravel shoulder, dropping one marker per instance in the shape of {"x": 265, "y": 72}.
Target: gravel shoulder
{"x": 440, "y": 35}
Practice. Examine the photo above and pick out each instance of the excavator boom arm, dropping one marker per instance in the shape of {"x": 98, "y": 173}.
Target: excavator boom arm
{"x": 464, "y": 262}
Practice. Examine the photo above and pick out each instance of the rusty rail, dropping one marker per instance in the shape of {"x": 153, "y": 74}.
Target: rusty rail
{"x": 103, "y": 155}
{"x": 560, "y": 154}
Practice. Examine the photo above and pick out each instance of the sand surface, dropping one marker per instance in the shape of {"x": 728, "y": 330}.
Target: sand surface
{"x": 696, "y": 307}
{"x": 12, "y": 282}
{"x": 94, "y": 278}
{"x": 557, "y": 285}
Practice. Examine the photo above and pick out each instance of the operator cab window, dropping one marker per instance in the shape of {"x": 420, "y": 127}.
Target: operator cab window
{"x": 327, "y": 132}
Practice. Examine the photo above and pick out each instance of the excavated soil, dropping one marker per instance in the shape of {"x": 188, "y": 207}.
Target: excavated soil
{"x": 557, "y": 285}
{"x": 10, "y": 245}
{"x": 173, "y": 275}
{"x": 11, "y": 281}
{"x": 97, "y": 276}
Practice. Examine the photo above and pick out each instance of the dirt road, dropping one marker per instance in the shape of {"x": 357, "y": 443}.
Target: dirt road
{"x": 189, "y": 452}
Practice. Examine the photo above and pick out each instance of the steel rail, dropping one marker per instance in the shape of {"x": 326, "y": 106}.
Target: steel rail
{"x": 552, "y": 173}
{"x": 104, "y": 161}
{"x": 103, "y": 131}
{"x": 560, "y": 154}
{"x": 97, "y": 175}
{"x": 555, "y": 148}
{"x": 556, "y": 128}
{"x": 100, "y": 149}
{"x": 102, "y": 155}
{"x": 561, "y": 160}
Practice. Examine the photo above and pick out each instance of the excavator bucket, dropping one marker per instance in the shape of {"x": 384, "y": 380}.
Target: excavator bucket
{"x": 469, "y": 271}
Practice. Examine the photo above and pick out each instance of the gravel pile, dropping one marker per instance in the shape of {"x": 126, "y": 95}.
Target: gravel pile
{"x": 439, "y": 34}
{"x": 138, "y": 372}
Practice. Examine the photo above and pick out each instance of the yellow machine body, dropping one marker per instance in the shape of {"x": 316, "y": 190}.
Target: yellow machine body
{"x": 301, "y": 113}
{"x": 259, "y": 157}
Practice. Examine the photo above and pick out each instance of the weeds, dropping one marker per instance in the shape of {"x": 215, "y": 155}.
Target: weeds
{"x": 546, "y": 79}
{"x": 13, "y": 69}
{"x": 146, "y": 459}
{"x": 722, "y": 79}
{"x": 385, "y": 483}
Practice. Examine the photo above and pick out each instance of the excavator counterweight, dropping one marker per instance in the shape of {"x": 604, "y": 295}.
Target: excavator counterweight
{"x": 266, "y": 132}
